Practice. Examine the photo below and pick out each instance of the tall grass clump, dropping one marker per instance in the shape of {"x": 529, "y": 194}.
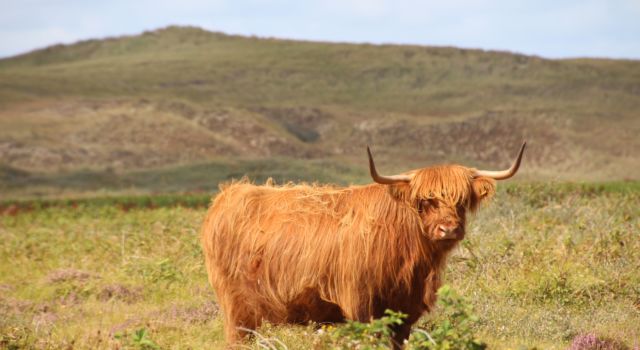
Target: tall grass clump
{"x": 452, "y": 329}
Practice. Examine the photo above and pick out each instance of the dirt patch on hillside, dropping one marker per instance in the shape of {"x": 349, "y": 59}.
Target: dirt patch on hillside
{"x": 243, "y": 130}
{"x": 135, "y": 134}
{"x": 116, "y": 134}
{"x": 307, "y": 124}
{"x": 492, "y": 138}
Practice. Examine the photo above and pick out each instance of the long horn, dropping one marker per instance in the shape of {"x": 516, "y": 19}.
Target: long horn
{"x": 385, "y": 180}
{"x": 504, "y": 174}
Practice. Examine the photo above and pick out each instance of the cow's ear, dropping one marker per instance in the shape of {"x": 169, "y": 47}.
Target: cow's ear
{"x": 483, "y": 188}
{"x": 400, "y": 191}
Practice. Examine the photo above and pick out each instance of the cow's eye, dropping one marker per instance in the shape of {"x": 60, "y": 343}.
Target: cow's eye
{"x": 426, "y": 204}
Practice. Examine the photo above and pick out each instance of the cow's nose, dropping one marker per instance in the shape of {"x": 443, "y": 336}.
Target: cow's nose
{"x": 447, "y": 227}
{"x": 448, "y": 230}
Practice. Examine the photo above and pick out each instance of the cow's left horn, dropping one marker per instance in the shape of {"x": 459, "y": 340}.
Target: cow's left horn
{"x": 504, "y": 174}
{"x": 385, "y": 180}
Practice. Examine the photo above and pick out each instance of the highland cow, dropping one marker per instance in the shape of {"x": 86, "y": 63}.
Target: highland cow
{"x": 301, "y": 253}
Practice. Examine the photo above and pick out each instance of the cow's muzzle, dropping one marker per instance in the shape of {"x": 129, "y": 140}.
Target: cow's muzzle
{"x": 449, "y": 231}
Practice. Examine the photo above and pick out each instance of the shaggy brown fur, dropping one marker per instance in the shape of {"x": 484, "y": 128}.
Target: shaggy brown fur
{"x": 300, "y": 253}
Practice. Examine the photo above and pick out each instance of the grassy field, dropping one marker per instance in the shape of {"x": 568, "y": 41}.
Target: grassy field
{"x": 541, "y": 264}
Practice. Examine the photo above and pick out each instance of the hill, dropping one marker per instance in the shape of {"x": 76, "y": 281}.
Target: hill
{"x": 180, "y": 97}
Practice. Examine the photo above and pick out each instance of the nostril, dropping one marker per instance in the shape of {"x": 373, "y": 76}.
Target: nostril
{"x": 449, "y": 231}
{"x": 447, "y": 228}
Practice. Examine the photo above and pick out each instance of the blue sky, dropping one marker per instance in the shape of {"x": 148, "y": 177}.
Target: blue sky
{"x": 548, "y": 28}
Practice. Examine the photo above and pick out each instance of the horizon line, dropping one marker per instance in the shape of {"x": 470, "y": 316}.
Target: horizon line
{"x": 319, "y": 41}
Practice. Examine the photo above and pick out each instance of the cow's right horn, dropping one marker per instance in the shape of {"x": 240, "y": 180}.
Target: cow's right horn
{"x": 385, "y": 180}
{"x": 504, "y": 174}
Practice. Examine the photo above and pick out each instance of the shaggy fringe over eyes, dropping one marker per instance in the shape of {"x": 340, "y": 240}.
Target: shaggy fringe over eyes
{"x": 451, "y": 184}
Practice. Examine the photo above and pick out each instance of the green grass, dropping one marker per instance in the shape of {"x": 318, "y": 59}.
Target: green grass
{"x": 541, "y": 264}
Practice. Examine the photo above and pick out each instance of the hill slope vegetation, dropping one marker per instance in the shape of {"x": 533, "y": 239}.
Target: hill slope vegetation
{"x": 179, "y": 96}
